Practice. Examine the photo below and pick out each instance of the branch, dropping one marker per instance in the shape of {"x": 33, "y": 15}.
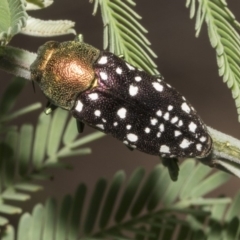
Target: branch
{"x": 226, "y": 149}
{"x": 225, "y": 153}
{"x": 16, "y": 61}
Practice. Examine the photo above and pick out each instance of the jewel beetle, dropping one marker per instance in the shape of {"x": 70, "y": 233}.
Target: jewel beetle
{"x": 105, "y": 92}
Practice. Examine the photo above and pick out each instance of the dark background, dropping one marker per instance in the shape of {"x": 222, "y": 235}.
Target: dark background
{"x": 187, "y": 63}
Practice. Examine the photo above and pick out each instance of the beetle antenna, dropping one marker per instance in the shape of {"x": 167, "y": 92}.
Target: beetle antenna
{"x": 33, "y": 85}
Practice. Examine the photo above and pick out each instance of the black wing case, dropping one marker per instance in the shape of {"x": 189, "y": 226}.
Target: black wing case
{"x": 142, "y": 111}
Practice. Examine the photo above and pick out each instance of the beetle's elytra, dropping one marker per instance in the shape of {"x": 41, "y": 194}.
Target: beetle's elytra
{"x": 107, "y": 93}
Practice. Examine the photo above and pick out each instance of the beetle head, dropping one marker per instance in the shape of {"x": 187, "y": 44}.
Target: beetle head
{"x": 64, "y": 70}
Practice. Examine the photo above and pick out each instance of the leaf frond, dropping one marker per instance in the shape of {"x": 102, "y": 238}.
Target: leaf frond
{"x": 223, "y": 31}
{"x": 13, "y": 18}
{"x": 48, "y": 28}
{"x": 124, "y": 35}
{"x": 48, "y": 149}
{"x": 77, "y": 217}
{"x": 28, "y": 151}
{"x": 38, "y": 4}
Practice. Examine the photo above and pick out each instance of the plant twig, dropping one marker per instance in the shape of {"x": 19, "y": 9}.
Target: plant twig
{"x": 226, "y": 149}
{"x": 16, "y": 61}
{"x": 225, "y": 153}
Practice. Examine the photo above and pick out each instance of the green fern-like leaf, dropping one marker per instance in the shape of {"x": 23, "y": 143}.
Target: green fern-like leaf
{"x": 124, "y": 35}
{"x": 48, "y": 28}
{"x": 223, "y": 31}
{"x": 105, "y": 217}
{"x": 10, "y": 96}
{"x": 27, "y": 152}
{"x": 46, "y": 142}
{"x": 8, "y": 101}
{"x": 36, "y": 3}
{"x": 12, "y": 18}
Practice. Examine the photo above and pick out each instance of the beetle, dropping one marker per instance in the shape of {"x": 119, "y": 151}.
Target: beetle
{"x": 105, "y": 92}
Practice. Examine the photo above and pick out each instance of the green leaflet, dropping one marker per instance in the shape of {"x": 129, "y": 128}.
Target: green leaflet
{"x": 80, "y": 216}
{"x": 26, "y": 152}
{"x": 12, "y": 19}
{"x": 124, "y": 35}
{"x": 9, "y": 96}
{"x": 47, "y": 147}
{"x": 38, "y": 3}
{"x": 223, "y": 32}
{"x": 48, "y": 28}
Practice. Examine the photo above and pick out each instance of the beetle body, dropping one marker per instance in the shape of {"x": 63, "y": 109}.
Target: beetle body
{"x": 107, "y": 93}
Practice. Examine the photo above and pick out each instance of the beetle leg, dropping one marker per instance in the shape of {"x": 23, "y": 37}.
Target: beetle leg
{"x": 173, "y": 168}
{"x": 49, "y": 108}
{"x": 79, "y": 38}
{"x": 33, "y": 86}
{"x": 130, "y": 148}
{"x": 80, "y": 126}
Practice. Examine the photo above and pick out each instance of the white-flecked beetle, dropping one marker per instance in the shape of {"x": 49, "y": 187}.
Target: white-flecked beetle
{"x": 107, "y": 93}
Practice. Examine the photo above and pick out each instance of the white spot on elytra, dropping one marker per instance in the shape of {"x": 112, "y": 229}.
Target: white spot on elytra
{"x": 154, "y": 121}
{"x": 161, "y": 127}
{"x": 133, "y": 90}
{"x": 158, "y": 134}
{"x": 102, "y": 60}
{"x": 174, "y": 119}
{"x": 164, "y": 149}
{"x": 185, "y": 143}
{"x": 132, "y": 137}
{"x": 115, "y": 124}
{"x": 180, "y": 123}
{"x": 203, "y": 139}
{"x": 125, "y": 142}
{"x": 166, "y": 116}
{"x": 185, "y": 107}
{"x": 100, "y": 126}
{"x": 130, "y": 66}
{"x": 199, "y": 147}
{"x": 128, "y": 127}
{"x": 79, "y": 106}
{"x": 170, "y": 108}
{"x": 97, "y": 113}
{"x": 104, "y": 120}
{"x": 157, "y": 86}
{"x": 138, "y": 78}
{"x": 103, "y": 76}
{"x": 184, "y": 99}
{"x": 169, "y": 85}
{"x": 159, "y": 113}
{"x": 177, "y": 133}
{"x": 93, "y": 96}
{"x": 147, "y": 130}
{"x": 192, "y": 127}
{"x": 159, "y": 80}
{"x": 118, "y": 70}
{"x": 122, "y": 112}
